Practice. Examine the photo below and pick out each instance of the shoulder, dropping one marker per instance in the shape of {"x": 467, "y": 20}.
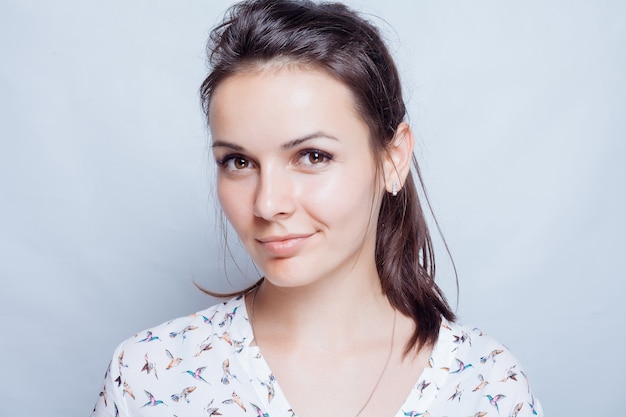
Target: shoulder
{"x": 185, "y": 335}
{"x": 179, "y": 326}
{"x": 478, "y": 350}
{"x": 480, "y": 370}
{"x": 166, "y": 363}
{"x": 472, "y": 344}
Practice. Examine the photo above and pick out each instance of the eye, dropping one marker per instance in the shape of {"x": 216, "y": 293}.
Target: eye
{"x": 235, "y": 163}
{"x": 311, "y": 157}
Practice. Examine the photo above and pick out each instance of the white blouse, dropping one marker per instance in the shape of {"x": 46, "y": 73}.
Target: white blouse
{"x": 203, "y": 365}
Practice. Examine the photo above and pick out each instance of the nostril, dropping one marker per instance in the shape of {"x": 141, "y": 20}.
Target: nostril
{"x": 273, "y": 197}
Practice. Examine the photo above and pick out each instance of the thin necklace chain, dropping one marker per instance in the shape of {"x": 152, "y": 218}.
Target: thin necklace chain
{"x": 380, "y": 377}
{"x": 382, "y": 373}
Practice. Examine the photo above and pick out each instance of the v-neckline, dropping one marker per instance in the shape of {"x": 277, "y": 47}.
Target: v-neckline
{"x": 279, "y": 405}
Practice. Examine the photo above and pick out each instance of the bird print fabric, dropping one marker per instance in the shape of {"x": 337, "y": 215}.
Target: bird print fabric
{"x": 204, "y": 365}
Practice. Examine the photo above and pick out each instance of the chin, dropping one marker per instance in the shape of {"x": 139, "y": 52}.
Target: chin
{"x": 288, "y": 276}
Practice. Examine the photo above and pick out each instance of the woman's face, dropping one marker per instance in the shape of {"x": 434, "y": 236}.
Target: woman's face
{"x": 296, "y": 175}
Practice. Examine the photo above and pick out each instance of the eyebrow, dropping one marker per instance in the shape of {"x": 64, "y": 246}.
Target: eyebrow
{"x": 291, "y": 144}
{"x": 298, "y": 141}
{"x": 224, "y": 144}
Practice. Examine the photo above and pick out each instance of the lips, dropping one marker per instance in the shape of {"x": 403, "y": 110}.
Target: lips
{"x": 284, "y": 246}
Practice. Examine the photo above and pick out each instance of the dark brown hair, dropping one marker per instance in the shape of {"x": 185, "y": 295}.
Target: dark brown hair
{"x": 335, "y": 39}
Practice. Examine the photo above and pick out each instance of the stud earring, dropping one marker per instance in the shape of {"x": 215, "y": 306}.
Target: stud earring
{"x": 394, "y": 189}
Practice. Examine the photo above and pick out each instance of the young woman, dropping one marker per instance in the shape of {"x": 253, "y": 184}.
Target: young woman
{"x": 314, "y": 173}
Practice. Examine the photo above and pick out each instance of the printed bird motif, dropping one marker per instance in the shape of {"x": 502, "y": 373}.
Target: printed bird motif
{"x": 457, "y": 393}
{"x": 228, "y": 317}
{"x": 238, "y": 344}
{"x": 120, "y": 360}
{"x": 173, "y": 361}
{"x": 510, "y": 374}
{"x": 480, "y": 332}
{"x": 209, "y": 320}
{"x": 183, "y": 332}
{"x": 415, "y": 414}
{"x": 464, "y": 337}
{"x": 236, "y": 400}
{"x": 226, "y": 338}
{"x": 149, "y": 338}
{"x": 494, "y": 400}
{"x": 183, "y": 395}
{"x": 491, "y": 356}
{"x": 532, "y": 405}
{"x": 483, "y": 383}
{"x": 227, "y": 375}
{"x": 516, "y": 409}
{"x": 149, "y": 367}
{"x": 459, "y": 340}
{"x": 197, "y": 374}
{"x": 269, "y": 385}
{"x": 203, "y": 348}
{"x": 462, "y": 366}
{"x": 421, "y": 387}
{"x": 103, "y": 394}
{"x": 152, "y": 402}
{"x": 212, "y": 411}
{"x": 128, "y": 390}
{"x": 259, "y": 412}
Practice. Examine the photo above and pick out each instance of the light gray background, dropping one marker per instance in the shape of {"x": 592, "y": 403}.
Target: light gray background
{"x": 106, "y": 210}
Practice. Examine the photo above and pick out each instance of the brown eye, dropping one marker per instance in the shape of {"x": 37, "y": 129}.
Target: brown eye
{"x": 240, "y": 163}
{"x": 315, "y": 157}
{"x": 234, "y": 163}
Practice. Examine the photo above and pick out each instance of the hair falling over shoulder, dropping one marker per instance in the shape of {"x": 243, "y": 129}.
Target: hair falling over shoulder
{"x": 337, "y": 40}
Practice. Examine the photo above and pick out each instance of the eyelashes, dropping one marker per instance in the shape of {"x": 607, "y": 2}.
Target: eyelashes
{"x": 234, "y": 162}
{"x": 314, "y": 157}
{"x": 307, "y": 158}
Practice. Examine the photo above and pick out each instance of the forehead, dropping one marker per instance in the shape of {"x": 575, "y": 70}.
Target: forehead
{"x": 285, "y": 100}
{"x": 283, "y": 70}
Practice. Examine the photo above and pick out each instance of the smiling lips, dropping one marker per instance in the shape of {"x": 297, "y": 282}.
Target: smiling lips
{"x": 284, "y": 246}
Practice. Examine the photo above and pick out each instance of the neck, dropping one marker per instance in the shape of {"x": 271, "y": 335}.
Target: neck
{"x": 341, "y": 310}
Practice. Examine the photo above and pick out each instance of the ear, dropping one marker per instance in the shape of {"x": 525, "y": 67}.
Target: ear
{"x": 398, "y": 156}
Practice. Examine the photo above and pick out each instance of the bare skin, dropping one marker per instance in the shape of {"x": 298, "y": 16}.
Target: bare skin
{"x": 298, "y": 181}
{"x": 329, "y": 367}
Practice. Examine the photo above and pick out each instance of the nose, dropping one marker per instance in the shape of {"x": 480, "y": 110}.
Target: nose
{"x": 274, "y": 194}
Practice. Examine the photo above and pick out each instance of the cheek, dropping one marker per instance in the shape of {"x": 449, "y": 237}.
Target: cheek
{"x": 344, "y": 198}
{"x": 233, "y": 201}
